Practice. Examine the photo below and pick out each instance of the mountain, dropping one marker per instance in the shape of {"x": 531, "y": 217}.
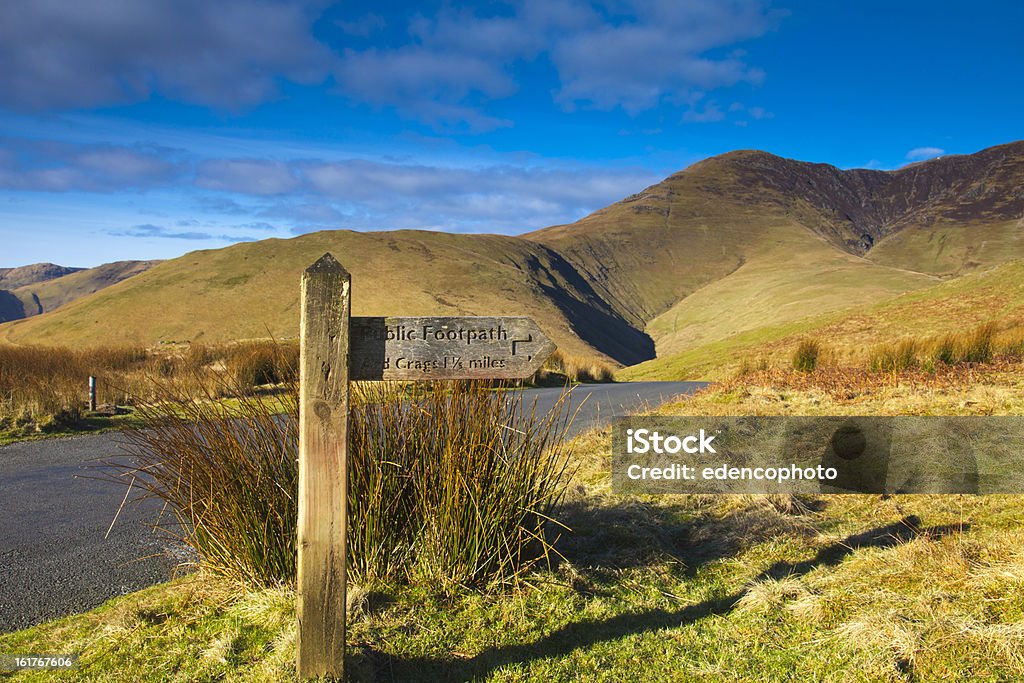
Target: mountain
{"x": 251, "y": 290}
{"x": 37, "y": 289}
{"x": 705, "y": 222}
{"x": 748, "y": 241}
{"x": 726, "y": 249}
{"x": 12, "y": 278}
{"x": 994, "y": 294}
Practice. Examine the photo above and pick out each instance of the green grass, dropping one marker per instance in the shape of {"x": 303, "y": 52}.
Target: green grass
{"x": 674, "y": 588}
{"x": 940, "y": 309}
{"x": 951, "y": 249}
{"x": 683, "y": 589}
{"x": 251, "y": 290}
{"x": 88, "y": 424}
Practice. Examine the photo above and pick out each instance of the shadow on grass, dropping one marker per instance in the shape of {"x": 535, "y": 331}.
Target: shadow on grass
{"x": 586, "y": 633}
{"x": 637, "y": 533}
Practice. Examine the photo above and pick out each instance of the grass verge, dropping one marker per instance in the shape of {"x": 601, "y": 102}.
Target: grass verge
{"x": 673, "y": 588}
{"x": 54, "y": 430}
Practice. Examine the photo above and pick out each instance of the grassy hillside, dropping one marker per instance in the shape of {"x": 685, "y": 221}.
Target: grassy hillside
{"x": 785, "y": 284}
{"x": 950, "y": 249}
{"x": 251, "y": 290}
{"x": 736, "y": 250}
{"x": 46, "y": 296}
{"x": 993, "y": 294}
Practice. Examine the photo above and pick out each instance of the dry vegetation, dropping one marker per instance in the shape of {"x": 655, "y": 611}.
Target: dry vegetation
{"x": 948, "y": 362}
{"x": 561, "y": 367}
{"x": 46, "y": 388}
{"x": 448, "y": 488}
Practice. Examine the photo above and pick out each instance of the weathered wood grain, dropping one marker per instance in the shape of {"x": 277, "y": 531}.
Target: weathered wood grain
{"x": 335, "y": 348}
{"x": 474, "y": 347}
{"x": 323, "y": 468}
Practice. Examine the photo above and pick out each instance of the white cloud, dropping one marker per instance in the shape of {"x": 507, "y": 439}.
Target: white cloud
{"x": 711, "y": 112}
{"x": 150, "y": 230}
{"x": 500, "y": 198}
{"x": 230, "y": 53}
{"x": 921, "y": 153}
{"x": 445, "y": 70}
{"x": 247, "y": 176}
{"x": 50, "y": 166}
{"x": 657, "y": 52}
{"x": 633, "y": 54}
{"x": 511, "y": 195}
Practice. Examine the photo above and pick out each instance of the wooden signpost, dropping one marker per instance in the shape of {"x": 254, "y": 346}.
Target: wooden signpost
{"x": 334, "y": 349}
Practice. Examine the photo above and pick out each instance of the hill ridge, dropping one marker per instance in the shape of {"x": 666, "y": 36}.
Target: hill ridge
{"x": 727, "y": 244}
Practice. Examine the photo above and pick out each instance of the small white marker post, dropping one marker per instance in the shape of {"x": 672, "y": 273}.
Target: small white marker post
{"x": 335, "y": 348}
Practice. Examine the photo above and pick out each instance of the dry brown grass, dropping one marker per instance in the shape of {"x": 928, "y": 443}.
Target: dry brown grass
{"x": 984, "y": 345}
{"x": 458, "y": 487}
{"x": 847, "y": 383}
{"x": 995, "y": 388}
{"x": 44, "y": 386}
{"x": 979, "y": 345}
{"x": 574, "y": 369}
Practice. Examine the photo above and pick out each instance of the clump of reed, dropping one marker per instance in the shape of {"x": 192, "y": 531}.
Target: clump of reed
{"x": 561, "y": 367}
{"x": 454, "y": 487}
{"x": 227, "y": 471}
{"x": 253, "y": 364}
{"x": 44, "y": 385}
{"x": 749, "y": 366}
{"x": 806, "y": 355}
{"x": 895, "y": 357}
{"x": 979, "y": 345}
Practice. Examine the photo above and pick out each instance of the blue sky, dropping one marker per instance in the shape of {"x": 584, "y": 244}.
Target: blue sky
{"x": 136, "y": 130}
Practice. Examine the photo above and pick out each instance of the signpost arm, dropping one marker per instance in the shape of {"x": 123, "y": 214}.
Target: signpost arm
{"x": 323, "y": 468}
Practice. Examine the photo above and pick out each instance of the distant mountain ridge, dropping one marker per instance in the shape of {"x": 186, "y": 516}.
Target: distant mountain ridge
{"x": 42, "y": 287}
{"x": 733, "y": 244}
{"x": 12, "y": 278}
{"x": 861, "y": 207}
{"x": 699, "y": 210}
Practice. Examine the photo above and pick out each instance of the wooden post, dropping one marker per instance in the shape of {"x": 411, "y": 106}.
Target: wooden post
{"x": 333, "y": 349}
{"x": 92, "y": 394}
{"x": 323, "y": 468}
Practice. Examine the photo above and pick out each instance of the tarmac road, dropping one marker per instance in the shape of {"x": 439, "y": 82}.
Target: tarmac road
{"x": 57, "y": 558}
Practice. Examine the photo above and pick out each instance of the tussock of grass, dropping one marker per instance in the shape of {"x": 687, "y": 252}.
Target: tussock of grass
{"x": 561, "y": 366}
{"x": 805, "y": 357}
{"x": 450, "y": 488}
{"x": 894, "y": 357}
